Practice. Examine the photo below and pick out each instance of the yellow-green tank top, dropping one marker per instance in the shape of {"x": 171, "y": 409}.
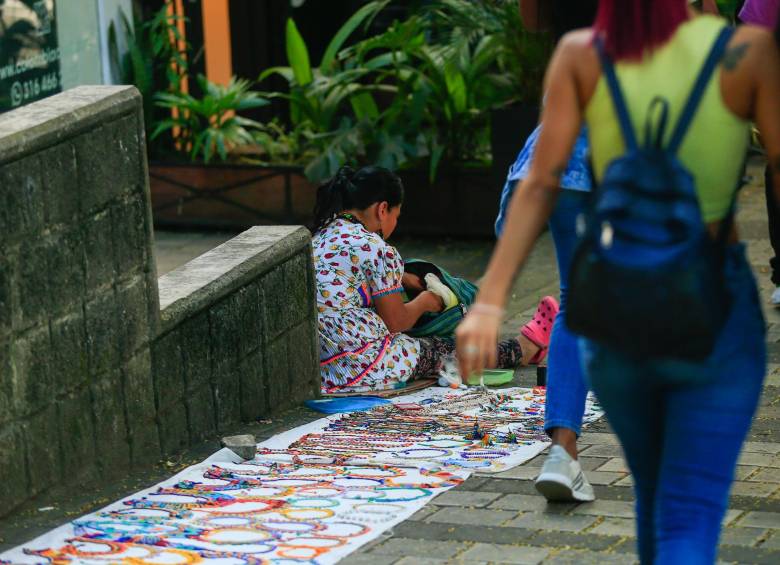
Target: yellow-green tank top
{"x": 715, "y": 145}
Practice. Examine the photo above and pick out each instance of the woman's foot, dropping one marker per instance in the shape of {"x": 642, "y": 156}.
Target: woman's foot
{"x": 775, "y": 300}
{"x": 538, "y": 330}
{"x": 529, "y": 348}
{"x": 562, "y": 480}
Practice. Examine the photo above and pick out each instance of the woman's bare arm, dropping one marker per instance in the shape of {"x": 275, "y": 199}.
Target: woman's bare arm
{"x": 399, "y": 316}
{"x": 530, "y": 207}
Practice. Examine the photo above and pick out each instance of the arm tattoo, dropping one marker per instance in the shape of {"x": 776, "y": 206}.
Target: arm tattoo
{"x": 734, "y": 55}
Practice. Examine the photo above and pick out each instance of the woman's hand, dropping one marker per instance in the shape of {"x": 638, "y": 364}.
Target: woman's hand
{"x": 477, "y": 342}
{"x": 433, "y": 302}
{"x": 412, "y": 282}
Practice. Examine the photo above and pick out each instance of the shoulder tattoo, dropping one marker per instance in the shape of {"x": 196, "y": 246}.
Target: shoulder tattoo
{"x": 734, "y": 55}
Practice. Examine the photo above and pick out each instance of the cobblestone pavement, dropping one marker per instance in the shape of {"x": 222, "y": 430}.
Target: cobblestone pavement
{"x": 501, "y": 519}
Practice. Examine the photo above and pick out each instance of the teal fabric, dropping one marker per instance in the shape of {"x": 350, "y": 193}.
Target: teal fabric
{"x": 441, "y": 324}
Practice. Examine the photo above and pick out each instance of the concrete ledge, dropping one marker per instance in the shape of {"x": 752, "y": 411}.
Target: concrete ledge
{"x": 194, "y": 287}
{"x": 50, "y": 121}
{"x": 238, "y": 335}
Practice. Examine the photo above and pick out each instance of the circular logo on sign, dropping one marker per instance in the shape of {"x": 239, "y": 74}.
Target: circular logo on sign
{"x": 17, "y": 95}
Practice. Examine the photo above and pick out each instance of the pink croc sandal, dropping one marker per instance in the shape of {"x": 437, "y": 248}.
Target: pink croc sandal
{"x": 539, "y": 329}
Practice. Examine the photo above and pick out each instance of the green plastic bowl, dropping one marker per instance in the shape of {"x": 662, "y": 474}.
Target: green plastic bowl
{"x": 494, "y": 377}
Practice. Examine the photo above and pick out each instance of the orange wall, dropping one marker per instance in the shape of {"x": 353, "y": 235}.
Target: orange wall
{"x": 216, "y": 37}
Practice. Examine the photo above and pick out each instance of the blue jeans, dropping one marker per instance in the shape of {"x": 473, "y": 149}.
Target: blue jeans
{"x": 682, "y": 425}
{"x": 566, "y": 387}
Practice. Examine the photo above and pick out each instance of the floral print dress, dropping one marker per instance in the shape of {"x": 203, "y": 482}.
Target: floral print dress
{"x": 357, "y": 352}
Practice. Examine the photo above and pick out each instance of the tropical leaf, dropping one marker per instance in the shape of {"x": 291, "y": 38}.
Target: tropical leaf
{"x": 335, "y": 45}
{"x": 285, "y": 72}
{"x": 298, "y": 54}
{"x": 211, "y": 121}
{"x": 456, "y": 87}
{"x": 364, "y": 106}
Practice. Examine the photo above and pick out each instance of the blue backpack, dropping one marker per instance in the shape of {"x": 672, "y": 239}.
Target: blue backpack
{"x": 647, "y": 278}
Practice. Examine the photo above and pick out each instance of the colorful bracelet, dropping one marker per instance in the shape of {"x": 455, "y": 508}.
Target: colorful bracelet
{"x": 487, "y": 309}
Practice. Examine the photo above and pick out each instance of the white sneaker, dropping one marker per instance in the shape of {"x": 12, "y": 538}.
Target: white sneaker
{"x": 562, "y": 479}
{"x": 775, "y": 300}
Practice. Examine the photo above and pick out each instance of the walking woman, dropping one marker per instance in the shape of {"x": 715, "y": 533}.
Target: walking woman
{"x": 681, "y": 423}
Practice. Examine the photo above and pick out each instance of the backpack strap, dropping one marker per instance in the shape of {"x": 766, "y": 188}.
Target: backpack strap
{"x": 699, "y": 87}
{"x": 629, "y": 137}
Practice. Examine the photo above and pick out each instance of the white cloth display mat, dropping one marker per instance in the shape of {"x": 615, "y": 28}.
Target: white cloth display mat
{"x": 313, "y": 494}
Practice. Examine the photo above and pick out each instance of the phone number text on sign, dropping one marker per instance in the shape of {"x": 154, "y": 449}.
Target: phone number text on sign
{"x": 22, "y": 91}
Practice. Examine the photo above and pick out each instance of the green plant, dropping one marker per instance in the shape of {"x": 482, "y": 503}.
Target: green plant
{"x": 521, "y": 56}
{"x": 318, "y": 94}
{"x": 729, "y": 8}
{"x": 277, "y": 144}
{"x": 369, "y": 129}
{"x": 210, "y": 126}
{"x": 155, "y": 59}
{"x": 443, "y": 90}
{"x": 334, "y": 102}
{"x": 420, "y": 90}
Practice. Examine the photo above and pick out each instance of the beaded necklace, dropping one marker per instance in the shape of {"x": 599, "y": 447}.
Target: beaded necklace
{"x": 355, "y": 220}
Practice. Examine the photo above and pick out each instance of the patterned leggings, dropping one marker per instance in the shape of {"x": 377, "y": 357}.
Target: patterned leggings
{"x": 433, "y": 350}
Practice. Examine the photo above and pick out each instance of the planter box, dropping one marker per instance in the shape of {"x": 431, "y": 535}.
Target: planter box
{"x": 229, "y": 196}
{"x": 461, "y": 203}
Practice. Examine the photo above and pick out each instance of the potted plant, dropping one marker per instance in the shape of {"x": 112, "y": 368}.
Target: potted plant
{"x": 226, "y": 171}
{"x": 521, "y": 56}
{"x": 415, "y": 98}
{"x": 214, "y": 188}
{"x": 445, "y": 81}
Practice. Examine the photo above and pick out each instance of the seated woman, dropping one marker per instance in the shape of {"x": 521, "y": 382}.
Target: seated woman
{"x": 360, "y": 284}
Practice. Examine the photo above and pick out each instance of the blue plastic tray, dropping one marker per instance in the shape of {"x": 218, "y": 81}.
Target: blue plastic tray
{"x": 348, "y": 404}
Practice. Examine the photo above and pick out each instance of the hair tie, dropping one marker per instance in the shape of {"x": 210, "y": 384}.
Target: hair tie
{"x": 343, "y": 180}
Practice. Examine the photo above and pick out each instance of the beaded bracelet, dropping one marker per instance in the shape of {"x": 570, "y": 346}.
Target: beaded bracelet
{"x": 484, "y": 454}
{"x": 487, "y": 309}
{"x": 386, "y": 508}
{"x": 359, "y": 529}
{"x": 318, "y": 503}
{"x": 408, "y": 453}
{"x": 293, "y": 527}
{"x": 384, "y": 498}
{"x": 368, "y": 519}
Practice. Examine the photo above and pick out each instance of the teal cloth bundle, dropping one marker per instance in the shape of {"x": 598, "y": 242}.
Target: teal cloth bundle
{"x": 441, "y": 324}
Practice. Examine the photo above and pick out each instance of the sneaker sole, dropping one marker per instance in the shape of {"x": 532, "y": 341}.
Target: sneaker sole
{"x": 554, "y": 488}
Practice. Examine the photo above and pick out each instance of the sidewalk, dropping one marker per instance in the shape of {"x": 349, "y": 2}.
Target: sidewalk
{"x": 501, "y": 519}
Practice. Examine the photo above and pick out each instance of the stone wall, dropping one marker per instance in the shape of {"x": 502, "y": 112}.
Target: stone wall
{"x": 94, "y": 377}
{"x": 238, "y": 335}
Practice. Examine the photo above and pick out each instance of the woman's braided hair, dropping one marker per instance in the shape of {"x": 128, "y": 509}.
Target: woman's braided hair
{"x": 356, "y": 190}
